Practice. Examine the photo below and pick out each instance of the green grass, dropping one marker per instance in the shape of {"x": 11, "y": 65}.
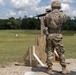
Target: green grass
{"x": 69, "y": 33}
{"x": 12, "y": 47}
{"x": 69, "y": 41}
{"x": 70, "y": 46}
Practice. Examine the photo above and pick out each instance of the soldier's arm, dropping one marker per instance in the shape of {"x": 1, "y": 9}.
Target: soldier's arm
{"x": 65, "y": 17}
{"x": 45, "y": 30}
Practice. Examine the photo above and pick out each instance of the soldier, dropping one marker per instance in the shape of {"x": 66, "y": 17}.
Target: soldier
{"x": 45, "y": 29}
{"x": 48, "y": 10}
{"x": 53, "y": 21}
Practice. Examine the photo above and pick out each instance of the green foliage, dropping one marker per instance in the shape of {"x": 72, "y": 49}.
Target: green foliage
{"x": 70, "y": 24}
{"x": 18, "y": 23}
{"x": 32, "y": 23}
{"x": 10, "y": 23}
{"x": 14, "y": 23}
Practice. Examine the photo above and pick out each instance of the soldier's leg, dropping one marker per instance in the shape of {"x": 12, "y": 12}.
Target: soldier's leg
{"x": 49, "y": 55}
{"x": 49, "y": 58}
{"x": 60, "y": 51}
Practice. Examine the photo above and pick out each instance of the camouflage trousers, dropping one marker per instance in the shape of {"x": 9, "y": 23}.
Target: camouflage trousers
{"x": 55, "y": 41}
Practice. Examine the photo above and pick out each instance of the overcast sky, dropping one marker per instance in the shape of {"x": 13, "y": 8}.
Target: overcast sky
{"x": 19, "y": 8}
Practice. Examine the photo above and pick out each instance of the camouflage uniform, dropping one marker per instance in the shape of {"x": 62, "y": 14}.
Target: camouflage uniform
{"x": 53, "y": 22}
{"x": 54, "y": 38}
{"x": 45, "y": 29}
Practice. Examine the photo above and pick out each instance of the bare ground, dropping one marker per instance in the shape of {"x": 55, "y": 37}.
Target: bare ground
{"x": 20, "y": 70}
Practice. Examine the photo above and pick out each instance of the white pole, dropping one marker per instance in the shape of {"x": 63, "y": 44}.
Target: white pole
{"x": 37, "y": 57}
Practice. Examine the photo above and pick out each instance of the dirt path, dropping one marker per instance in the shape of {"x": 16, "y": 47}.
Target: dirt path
{"x": 20, "y": 70}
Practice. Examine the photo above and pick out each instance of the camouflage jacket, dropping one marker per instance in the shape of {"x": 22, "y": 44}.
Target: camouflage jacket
{"x": 54, "y": 20}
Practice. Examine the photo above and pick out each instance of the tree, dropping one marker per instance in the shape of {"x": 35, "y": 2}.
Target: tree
{"x": 14, "y": 23}
{"x": 70, "y": 24}
{"x": 30, "y": 23}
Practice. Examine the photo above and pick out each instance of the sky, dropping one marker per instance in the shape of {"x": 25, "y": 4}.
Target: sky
{"x": 20, "y": 8}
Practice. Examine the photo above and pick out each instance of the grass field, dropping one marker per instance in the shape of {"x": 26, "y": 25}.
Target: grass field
{"x": 14, "y": 43}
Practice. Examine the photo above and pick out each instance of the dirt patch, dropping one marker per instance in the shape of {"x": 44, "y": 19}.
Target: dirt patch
{"x": 20, "y": 70}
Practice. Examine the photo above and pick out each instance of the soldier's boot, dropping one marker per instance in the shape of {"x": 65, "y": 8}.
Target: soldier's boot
{"x": 49, "y": 70}
{"x": 65, "y": 71}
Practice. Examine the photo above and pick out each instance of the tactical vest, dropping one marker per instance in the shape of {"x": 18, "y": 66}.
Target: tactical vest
{"x": 54, "y": 22}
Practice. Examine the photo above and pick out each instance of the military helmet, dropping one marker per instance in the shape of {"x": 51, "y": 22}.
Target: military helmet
{"x": 56, "y": 4}
{"x": 48, "y": 9}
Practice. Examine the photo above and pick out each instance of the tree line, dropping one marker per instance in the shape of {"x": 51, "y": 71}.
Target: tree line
{"x": 32, "y": 23}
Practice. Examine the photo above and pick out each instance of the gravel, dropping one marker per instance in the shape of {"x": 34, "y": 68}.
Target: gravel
{"x": 20, "y": 70}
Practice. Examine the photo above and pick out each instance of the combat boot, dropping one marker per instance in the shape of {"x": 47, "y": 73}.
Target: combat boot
{"x": 49, "y": 70}
{"x": 65, "y": 71}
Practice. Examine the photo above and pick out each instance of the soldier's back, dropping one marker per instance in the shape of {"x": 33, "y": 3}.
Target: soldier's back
{"x": 56, "y": 18}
